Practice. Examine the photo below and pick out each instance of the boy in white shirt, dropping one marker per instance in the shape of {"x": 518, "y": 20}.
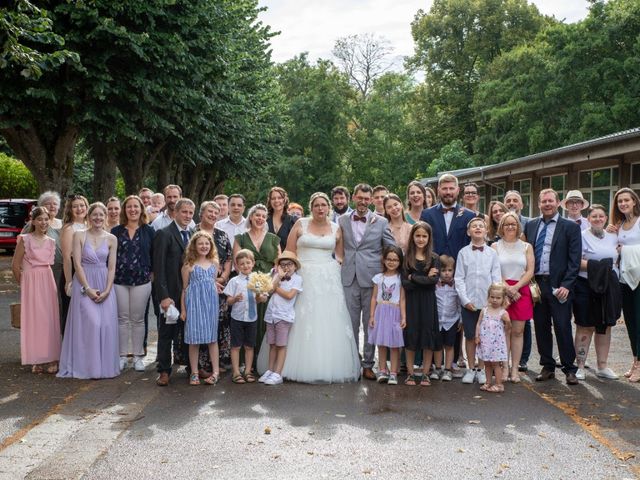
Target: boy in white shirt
{"x": 280, "y": 314}
{"x": 477, "y": 267}
{"x": 244, "y": 316}
{"x": 448, "y": 315}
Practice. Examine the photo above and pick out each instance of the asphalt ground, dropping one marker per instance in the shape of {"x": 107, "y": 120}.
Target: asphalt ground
{"x": 128, "y": 427}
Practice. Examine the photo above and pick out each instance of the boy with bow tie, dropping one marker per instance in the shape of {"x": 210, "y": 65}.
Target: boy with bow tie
{"x": 477, "y": 268}
{"x": 448, "y": 317}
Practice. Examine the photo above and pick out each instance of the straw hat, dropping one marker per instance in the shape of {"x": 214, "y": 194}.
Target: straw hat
{"x": 289, "y": 255}
{"x": 574, "y": 195}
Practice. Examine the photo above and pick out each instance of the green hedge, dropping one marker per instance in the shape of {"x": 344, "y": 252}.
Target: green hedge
{"x": 15, "y": 180}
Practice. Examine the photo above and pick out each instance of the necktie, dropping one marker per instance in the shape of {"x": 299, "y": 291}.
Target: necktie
{"x": 362, "y": 219}
{"x": 473, "y": 247}
{"x": 185, "y": 237}
{"x": 540, "y": 245}
{"x": 251, "y": 300}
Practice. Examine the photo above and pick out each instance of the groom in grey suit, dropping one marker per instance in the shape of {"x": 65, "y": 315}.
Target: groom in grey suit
{"x": 364, "y": 234}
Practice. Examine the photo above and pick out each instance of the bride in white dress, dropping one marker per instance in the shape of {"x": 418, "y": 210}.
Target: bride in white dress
{"x": 321, "y": 347}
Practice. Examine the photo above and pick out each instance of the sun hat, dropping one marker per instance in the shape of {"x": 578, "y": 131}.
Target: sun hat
{"x": 289, "y": 255}
{"x": 574, "y": 195}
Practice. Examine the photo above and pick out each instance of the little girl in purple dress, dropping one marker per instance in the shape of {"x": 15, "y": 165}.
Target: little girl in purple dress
{"x": 388, "y": 314}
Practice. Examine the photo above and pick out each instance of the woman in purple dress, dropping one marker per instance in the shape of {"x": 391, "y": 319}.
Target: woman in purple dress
{"x": 90, "y": 345}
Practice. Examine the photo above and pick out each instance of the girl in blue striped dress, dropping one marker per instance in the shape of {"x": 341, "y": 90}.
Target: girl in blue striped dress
{"x": 200, "y": 303}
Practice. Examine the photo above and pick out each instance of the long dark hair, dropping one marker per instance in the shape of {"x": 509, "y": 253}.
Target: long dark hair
{"x": 410, "y": 258}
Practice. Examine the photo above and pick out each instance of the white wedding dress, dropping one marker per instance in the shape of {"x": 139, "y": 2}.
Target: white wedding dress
{"x": 321, "y": 347}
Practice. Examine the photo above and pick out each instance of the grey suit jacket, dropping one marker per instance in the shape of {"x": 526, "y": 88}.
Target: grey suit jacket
{"x": 363, "y": 260}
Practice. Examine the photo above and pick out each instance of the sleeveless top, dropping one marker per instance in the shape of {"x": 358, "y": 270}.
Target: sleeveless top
{"x": 512, "y": 258}
{"x": 631, "y": 236}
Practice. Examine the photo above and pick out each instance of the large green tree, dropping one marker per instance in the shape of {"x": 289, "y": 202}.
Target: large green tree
{"x": 455, "y": 42}
{"x": 574, "y": 82}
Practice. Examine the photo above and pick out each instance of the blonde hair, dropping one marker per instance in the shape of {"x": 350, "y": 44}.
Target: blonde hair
{"x": 502, "y": 288}
{"x": 518, "y": 224}
{"x": 191, "y": 252}
{"x": 324, "y": 196}
{"x": 244, "y": 253}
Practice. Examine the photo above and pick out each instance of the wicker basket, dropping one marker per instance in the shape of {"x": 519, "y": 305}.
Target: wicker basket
{"x": 15, "y": 315}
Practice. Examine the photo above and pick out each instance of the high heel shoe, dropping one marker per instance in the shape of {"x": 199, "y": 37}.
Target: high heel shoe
{"x": 634, "y": 368}
{"x": 635, "y": 373}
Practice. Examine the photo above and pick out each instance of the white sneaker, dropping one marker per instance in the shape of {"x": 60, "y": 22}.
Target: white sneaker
{"x": 457, "y": 373}
{"x": 481, "y": 377}
{"x": 274, "y": 379}
{"x": 138, "y": 364}
{"x": 435, "y": 374}
{"x": 123, "y": 362}
{"x": 606, "y": 373}
{"x": 581, "y": 374}
{"x": 469, "y": 376}
{"x": 447, "y": 376}
{"x": 264, "y": 376}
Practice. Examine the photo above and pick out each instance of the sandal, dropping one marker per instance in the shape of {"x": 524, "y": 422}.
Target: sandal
{"x": 515, "y": 379}
{"x": 496, "y": 389}
{"x": 485, "y": 387}
{"x": 37, "y": 369}
{"x": 52, "y": 368}
{"x": 424, "y": 381}
{"x": 410, "y": 380}
{"x": 250, "y": 377}
{"x": 212, "y": 380}
{"x": 194, "y": 379}
{"x": 238, "y": 378}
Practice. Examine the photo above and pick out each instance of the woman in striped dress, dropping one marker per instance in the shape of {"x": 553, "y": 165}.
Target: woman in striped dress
{"x": 200, "y": 303}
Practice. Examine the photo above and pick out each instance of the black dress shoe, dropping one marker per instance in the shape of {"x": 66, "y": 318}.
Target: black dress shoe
{"x": 571, "y": 379}
{"x": 523, "y": 367}
{"x": 545, "y": 375}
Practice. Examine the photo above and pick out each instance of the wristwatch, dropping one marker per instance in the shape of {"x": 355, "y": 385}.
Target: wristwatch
{"x": 83, "y": 290}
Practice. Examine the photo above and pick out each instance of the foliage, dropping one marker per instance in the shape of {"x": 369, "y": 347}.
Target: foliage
{"x": 551, "y": 92}
{"x": 456, "y": 41}
{"x": 451, "y": 157}
{"x": 28, "y": 42}
{"x": 16, "y": 181}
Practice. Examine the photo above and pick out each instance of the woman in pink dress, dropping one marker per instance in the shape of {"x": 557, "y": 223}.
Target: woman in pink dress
{"x": 39, "y": 314}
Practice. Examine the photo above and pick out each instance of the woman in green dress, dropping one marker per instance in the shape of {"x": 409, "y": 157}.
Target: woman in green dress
{"x": 265, "y": 247}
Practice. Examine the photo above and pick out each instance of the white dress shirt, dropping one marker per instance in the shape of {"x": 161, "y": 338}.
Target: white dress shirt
{"x": 232, "y": 229}
{"x": 475, "y": 272}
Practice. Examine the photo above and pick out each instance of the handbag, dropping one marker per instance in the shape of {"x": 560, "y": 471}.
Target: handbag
{"x": 15, "y": 315}
{"x": 536, "y": 294}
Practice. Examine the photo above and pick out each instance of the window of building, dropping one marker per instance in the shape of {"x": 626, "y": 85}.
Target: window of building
{"x": 599, "y": 185}
{"x": 524, "y": 188}
{"x": 498, "y": 190}
{"x": 557, "y": 182}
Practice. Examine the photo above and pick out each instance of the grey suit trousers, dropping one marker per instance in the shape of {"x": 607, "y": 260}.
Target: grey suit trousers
{"x": 359, "y": 306}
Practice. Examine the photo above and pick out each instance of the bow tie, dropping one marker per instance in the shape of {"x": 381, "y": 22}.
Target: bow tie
{"x": 473, "y": 247}
{"x": 447, "y": 210}
{"x": 362, "y": 219}
{"x": 286, "y": 278}
{"x": 451, "y": 283}
{"x": 579, "y": 221}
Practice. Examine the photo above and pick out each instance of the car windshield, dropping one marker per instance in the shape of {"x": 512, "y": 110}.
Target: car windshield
{"x": 12, "y": 215}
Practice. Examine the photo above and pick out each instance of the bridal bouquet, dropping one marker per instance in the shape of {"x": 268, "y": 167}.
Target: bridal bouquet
{"x": 260, "y": 283}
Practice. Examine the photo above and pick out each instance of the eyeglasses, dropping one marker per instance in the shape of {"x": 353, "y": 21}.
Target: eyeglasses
{"x": 286, "y": 264}
{"x": 510, "y": 225}
{"x": 471, "y": 194}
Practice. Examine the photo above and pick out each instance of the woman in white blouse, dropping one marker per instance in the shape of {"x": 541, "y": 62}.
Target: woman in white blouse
{"x": 597, "y": 244}
{"x": 516, "y": 264}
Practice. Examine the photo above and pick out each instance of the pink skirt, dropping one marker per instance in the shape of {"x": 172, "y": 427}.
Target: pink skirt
{"x": 522, "y": 309}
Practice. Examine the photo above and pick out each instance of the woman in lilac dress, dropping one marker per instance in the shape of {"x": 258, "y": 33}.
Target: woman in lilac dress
{"x": 90, "y": 345}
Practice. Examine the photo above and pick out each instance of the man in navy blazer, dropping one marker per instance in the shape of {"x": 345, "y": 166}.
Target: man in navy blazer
{"x": 448, "y": 219}
{"x": 557, "y": 246}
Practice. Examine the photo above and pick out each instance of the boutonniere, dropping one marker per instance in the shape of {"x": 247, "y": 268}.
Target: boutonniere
{"x": 373, "y": 220}
{"x": 460, "y": 212}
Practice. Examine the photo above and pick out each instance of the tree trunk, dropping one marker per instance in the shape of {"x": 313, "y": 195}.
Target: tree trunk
{"x": 104, "y": 170}
{"x": 50, "y": 162}
{"x": 134, "y": 168}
